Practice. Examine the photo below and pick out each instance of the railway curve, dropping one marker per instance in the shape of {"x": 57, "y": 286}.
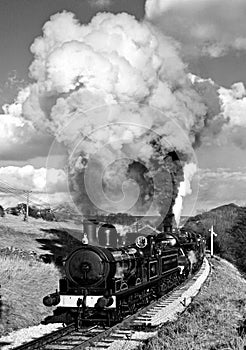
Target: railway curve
{"x": 132, "y": 330}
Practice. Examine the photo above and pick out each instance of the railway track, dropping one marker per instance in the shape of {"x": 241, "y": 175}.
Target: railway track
{"x": 133, "y": 329}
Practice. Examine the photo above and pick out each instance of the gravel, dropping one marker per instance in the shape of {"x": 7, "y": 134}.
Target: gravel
{"x": 24, "y": 335}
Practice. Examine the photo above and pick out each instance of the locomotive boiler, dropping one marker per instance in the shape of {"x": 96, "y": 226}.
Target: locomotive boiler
{"x": 103, "y": 283}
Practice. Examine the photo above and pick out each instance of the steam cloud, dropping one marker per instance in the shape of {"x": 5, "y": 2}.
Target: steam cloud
{"x": 117, "y": 94}
{"x": 184, "y": 189}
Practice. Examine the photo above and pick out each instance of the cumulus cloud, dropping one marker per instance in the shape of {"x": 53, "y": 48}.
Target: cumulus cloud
{"x": 226, "y": 111}
{"x": 19, "y": 140}
{"x": 36, "y": 180}
{"x": 204, "y": 27}
{"x": 234, "y": 110}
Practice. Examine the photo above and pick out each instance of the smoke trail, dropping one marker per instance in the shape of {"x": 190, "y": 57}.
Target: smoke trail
{"x": 117, "y": 94}
{"x": 184, "y": 189}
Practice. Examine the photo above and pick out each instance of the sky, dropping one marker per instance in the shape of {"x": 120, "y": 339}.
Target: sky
{"x": 205, "y": 38}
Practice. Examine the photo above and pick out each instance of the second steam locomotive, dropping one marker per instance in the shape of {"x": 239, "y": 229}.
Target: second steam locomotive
{"x": 103, "y": 283}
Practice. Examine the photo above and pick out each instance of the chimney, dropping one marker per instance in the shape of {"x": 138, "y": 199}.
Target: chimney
{"x": 167, "y": 223}
{"x": 107, "y": 236}
{"x": 90, "y": 230}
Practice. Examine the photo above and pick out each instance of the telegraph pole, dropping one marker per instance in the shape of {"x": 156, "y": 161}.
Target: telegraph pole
{"x": 27, "y": 205}
{"x": 212, "y": 239}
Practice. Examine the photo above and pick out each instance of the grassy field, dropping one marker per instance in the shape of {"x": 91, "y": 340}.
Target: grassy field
{"x": 211, "y": 321}
{"x": 24, "y": 283}
{"x": 27, "y": 235}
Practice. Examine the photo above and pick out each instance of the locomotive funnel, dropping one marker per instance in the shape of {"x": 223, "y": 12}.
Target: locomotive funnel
{"x": 107, "y": 236}
{"x": 90, "y": 230}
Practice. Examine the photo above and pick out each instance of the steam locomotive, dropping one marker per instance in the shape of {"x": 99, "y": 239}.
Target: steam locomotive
{"x": 105, "y": 283}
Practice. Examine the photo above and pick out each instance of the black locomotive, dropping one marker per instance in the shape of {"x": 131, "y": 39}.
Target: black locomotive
{"x": 104, "y": 283}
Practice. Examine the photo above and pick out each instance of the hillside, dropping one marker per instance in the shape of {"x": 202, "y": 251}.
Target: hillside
{"x": 229, "y": 223}
{"x": 214, "y": 320}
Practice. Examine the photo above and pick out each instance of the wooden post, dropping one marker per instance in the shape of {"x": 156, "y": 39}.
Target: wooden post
{"x": 212, "y": 239}
{"x": 27, "y": 205}
{"x": 212, "y": 242}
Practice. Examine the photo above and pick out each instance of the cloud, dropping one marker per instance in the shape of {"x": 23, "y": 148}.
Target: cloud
{"x": 234, "y": 110}
{"x": 216, "y": 188}
{"x": 36, "y": 180}
{"x": 222, "y": 186}
{"x": 100, "y": 4}
{"x": 223, "y": 174}
{"x": 19, "y": 140}
{"x": 204, "y": 27}
{"x": 43, "y": 199}
{"x": 226, "y": 111}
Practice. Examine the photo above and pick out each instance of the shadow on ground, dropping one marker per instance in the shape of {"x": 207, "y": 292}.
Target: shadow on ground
{"x": 59, "y": 246}
{"x": 2, "y": 343}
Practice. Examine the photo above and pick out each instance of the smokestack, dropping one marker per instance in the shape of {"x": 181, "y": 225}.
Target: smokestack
{"x": 107, "y": 236}
{"x": 168, "y": 223}
{"x": 90, "y": 230}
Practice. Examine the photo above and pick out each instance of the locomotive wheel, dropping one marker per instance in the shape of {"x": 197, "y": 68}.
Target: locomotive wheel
{"x": 69, "y": 318}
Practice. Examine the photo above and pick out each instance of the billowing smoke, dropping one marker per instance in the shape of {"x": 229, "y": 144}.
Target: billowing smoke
{"x": 184, "y": 189}
{"x": 117, "y": 94}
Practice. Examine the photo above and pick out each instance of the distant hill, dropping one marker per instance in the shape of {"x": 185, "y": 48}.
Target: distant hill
{"x": 229, "y": 223}
{"x": 65, "y": 211}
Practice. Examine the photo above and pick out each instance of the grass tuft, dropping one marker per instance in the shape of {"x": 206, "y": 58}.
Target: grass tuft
{"x": 24, "y": 283}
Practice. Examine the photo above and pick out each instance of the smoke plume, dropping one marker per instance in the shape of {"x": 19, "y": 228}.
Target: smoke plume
{"x": 184, "y": 189}
{"x": 117, "y": 94}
